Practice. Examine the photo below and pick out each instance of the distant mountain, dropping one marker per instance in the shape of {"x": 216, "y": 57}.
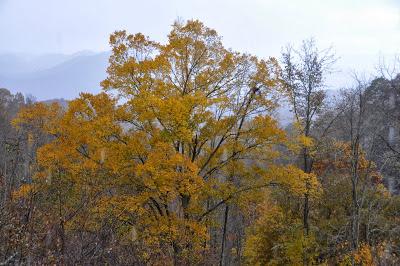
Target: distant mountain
{"x": 53, "y": 76}
{"x": 16, "y": 64}
{"x": 62, "y": 102}
{"x": 59, "y": 77}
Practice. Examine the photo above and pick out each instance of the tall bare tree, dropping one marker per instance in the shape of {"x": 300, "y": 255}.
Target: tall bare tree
{"x": 304, "y": 73}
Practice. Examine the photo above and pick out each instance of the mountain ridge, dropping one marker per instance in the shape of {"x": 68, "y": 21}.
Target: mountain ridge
{"x": 65, "y": 77}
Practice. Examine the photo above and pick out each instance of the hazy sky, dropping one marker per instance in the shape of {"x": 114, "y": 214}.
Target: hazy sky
{"x": 356, "y": 28}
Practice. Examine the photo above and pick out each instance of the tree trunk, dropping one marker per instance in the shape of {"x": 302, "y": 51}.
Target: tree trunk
{"x": 306, "y": 211}
{"x": 221, "y": 259}
{"x": 354, "y": 222}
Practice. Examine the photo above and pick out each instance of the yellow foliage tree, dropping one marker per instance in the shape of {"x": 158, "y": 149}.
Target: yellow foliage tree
{"x": 181, "y": 129}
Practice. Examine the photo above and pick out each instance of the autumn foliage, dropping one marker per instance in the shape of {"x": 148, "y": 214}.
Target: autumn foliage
{"x": 181, "y": 129}
{"x": 180, "y": 161}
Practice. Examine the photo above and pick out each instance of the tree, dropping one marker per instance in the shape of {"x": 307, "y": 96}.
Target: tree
{"x": 182, "y": 129}
{"x": 276, "y": 236}
{"x": 361, "y": 134}
{"x": 15, "y": 158}
{"x": 304, "y": 73}
{"x": 351, "y": 148}
{"x": 334, "y": 165}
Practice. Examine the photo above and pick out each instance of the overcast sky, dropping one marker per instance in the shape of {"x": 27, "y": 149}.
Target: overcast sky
{"x": 359, "y": 30}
